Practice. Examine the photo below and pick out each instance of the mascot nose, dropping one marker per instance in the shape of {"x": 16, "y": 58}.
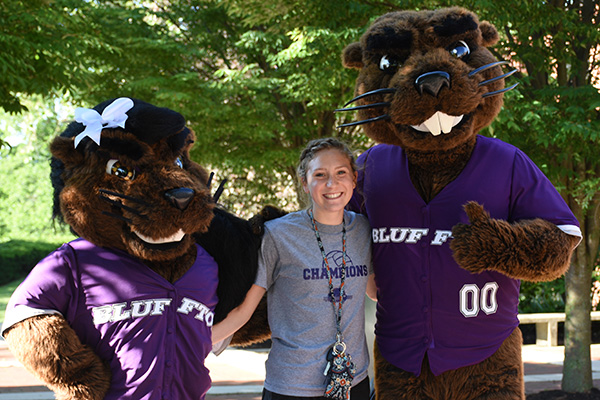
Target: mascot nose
{"x": 180, "y": 197}
{"x": 432, "y": 82}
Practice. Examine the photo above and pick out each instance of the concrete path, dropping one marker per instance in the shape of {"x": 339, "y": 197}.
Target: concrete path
{"x": 239, "y": 374}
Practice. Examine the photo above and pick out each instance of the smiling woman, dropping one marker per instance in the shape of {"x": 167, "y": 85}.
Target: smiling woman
{"x": 330, "y": 180}
{"x": 313, "y": 262}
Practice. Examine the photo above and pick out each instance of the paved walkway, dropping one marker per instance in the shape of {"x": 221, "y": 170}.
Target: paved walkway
{"x": 239, "y": 374}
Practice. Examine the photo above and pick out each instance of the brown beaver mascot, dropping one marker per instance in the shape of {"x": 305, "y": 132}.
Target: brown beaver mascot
{"x": 126, "y": 310}
{"x": 457, "y": 218}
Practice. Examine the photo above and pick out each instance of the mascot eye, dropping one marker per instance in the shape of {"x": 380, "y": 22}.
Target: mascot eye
{"x": 179, "y": 162}
{"x": 114, "y": 167}
{"x": 460, "y": 49}
{"x": 388, "y": 62}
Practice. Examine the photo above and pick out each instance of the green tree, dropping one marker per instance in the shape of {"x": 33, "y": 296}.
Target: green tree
{"x": 60, "y": 48}
{"x": 555, "y": 46}
{"x": 258, "y": 78}
{"x": 25, "y": 188}
{"x": 554, "y": 116}
{"x": 43, "y": 43}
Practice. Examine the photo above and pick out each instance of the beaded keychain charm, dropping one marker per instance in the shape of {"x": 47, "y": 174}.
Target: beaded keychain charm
{"x": 340, "y": 371}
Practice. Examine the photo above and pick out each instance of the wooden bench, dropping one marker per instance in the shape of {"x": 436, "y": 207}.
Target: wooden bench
{"x": 546, "y": 325}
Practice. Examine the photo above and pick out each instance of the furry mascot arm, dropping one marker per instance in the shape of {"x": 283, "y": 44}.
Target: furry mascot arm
{"x": 257, "y": 329}
{"x": 234, "y": 243}
{"x": 70, "y": 369}
{"x": 533, "y": 250}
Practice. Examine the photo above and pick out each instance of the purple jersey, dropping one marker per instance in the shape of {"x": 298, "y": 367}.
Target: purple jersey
{"x": 427, "y": 303}
{"x": 154, "y": 334}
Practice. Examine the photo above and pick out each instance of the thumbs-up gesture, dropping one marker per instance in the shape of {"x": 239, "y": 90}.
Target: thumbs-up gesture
{"x": 482, "y": 244}
{"x": 534, "y": 250}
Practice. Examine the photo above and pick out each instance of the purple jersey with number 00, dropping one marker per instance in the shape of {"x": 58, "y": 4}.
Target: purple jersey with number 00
{"x": 155, "y": 335}
{"x": 427, "y": 303}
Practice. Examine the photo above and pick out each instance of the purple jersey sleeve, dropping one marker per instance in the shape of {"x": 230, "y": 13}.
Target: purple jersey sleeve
{"x": 48, "y": 289}
{"x": 534, "y": 196}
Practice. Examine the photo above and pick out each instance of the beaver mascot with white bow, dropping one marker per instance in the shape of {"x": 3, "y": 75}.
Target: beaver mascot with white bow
{"x": 125, "y": 311}
{"x": 458, "y": 219}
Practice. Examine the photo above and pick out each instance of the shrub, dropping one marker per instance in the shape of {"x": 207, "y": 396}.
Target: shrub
{"x": 542, "y": 297}
{"x": 17, "y": 257}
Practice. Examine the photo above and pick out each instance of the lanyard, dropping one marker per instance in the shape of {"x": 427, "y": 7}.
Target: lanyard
{"x": 338, "y": 312}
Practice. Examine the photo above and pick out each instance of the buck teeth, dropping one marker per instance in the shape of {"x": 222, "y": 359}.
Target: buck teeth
{"x": 176, "y": 237}
{"x": 438, "y": 123}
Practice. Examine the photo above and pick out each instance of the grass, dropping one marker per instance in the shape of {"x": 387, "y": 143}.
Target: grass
{"x": 5, "y": 293}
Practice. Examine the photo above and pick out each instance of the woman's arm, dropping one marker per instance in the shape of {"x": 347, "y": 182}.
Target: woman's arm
{"x": 372, "y": 288}
{"x": 238, "y": 316}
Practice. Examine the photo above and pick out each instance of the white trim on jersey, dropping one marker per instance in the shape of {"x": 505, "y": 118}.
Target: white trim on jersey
{"x": 21, "y": 313}
{"x": 572, "y": 230}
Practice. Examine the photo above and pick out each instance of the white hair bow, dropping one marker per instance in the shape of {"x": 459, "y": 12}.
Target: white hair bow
{"x": 113, "y": 116}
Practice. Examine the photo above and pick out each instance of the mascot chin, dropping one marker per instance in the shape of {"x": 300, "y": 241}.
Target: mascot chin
{"x": 458, "y": 219}
{"x": 126, "y": 310}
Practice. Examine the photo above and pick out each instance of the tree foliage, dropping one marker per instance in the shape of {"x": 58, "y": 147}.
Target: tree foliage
{"x": 555, "y": 117}
{"x": 44, "y": 46}
{"x": 258, "y": 78}
{"x": 25, "y": 188}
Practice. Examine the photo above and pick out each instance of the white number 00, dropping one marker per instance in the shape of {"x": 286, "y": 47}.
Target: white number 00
{"x": 472, "y": 299}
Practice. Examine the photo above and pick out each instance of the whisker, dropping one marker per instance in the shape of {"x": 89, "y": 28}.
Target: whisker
{"x": 371, "y": 93}
{"x": 123, "y": 196}
{"x": 487, "y": 66}
{"x": 374, "y": 105}
{"x": 219, "y": 190}
{"x": 122, "y": 206}
{"x": 506, "y": 75}
{"x": 117, "y": 216}
{"x": 500, "y": 91}
{"x": 366, "y": 121}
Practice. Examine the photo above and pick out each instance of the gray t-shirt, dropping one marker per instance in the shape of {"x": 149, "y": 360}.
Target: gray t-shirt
{"x": 301, "y": 316}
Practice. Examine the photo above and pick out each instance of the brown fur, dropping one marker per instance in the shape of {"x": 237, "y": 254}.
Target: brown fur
{"x": 256, "y": 330}
{"x": 83, "y": 209}
{"x": 408, "y": 107}
{"x": 533, "y": 250}
{"x": 70, "y": 369}
{"x": 496, "y": 378}
{"x": 108, "y": 208}
{"x": 418, "y": 43}
{"x": 67, "y": 366}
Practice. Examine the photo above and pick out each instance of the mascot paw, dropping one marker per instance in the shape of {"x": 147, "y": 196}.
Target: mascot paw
{"x": 474, "y": 245}
{"x": 533, "y": 250}
{"x": 266, "y": 214}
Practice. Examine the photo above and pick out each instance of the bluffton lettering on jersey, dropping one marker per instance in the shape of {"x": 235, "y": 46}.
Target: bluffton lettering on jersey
{"x": 409, "y": 235}
{"x": 149, "y": 308}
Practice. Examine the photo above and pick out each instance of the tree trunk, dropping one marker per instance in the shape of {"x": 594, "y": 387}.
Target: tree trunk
{"x": 577, "y": 369}
{"x": 577, "y": 375}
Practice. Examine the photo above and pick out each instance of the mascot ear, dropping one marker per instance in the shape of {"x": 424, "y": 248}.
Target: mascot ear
{"x": 489, "y": 33}
{"x": 63, "y": 148}
{"x": 352, "y": 56}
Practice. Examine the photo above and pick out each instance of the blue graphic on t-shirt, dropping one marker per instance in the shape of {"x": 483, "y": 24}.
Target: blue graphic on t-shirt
{"x": 336, "y": 296}
{"x": 334, "y": 258}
